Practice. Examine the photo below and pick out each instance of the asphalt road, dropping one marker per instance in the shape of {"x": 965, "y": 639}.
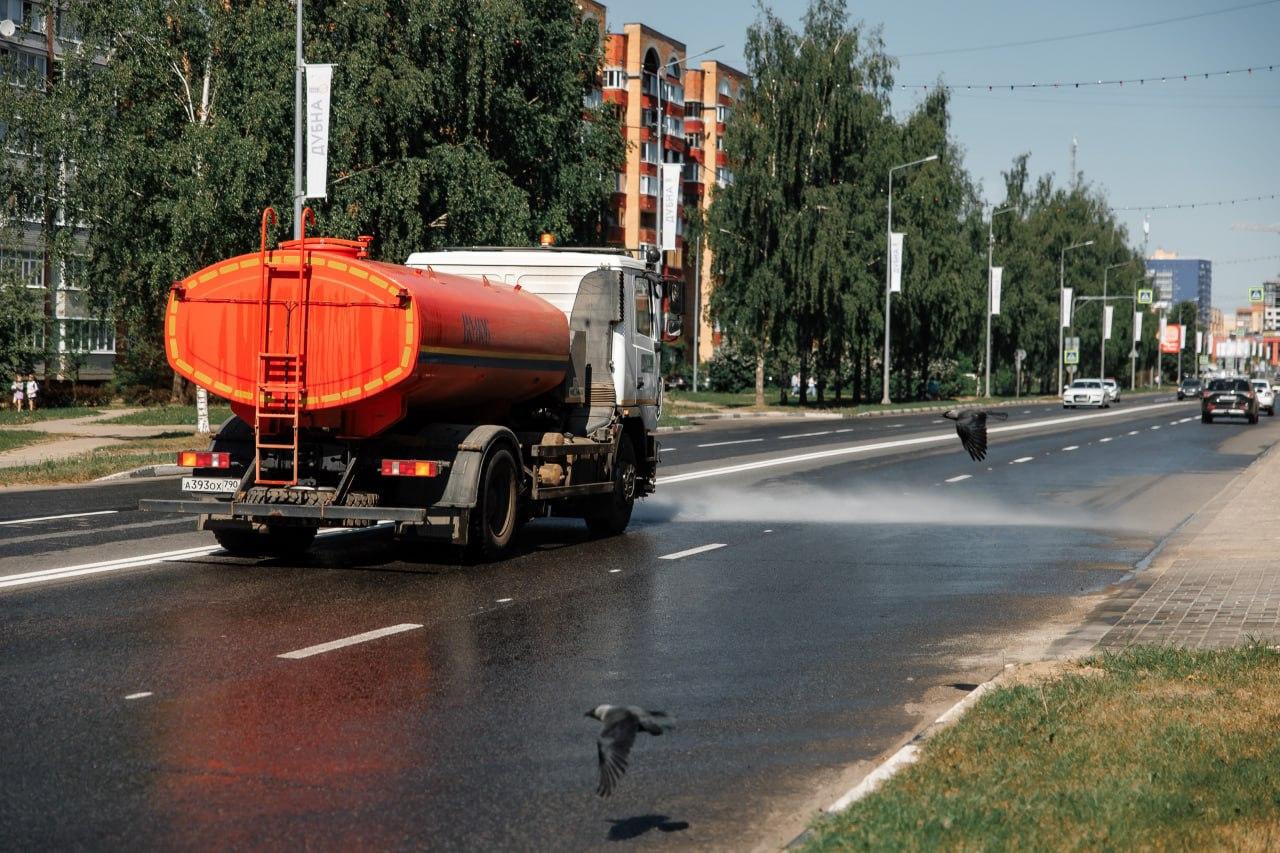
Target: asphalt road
{"x": 859, "y": 582}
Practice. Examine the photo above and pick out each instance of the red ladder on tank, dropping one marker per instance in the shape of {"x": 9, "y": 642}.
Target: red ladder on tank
{"x": 281, "y": 386}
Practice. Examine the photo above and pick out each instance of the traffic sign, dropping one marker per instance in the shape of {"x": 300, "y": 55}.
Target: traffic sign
{"x": 1071, "y": 357}
{"x": 1255, "y": 294}
{"x": 1204, "y": 359}
{"x": 1072, "y": 343}
{"x": 1145, "y": 295}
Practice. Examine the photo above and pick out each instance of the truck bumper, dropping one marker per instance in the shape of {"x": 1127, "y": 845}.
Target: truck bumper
{"x": 437, "y": 523}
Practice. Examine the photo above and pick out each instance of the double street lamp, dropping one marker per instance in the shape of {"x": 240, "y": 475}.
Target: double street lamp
{"x": 888, "y": 271}
{"x": 1102, "y": 360}
{"x": 1062, "y": 283}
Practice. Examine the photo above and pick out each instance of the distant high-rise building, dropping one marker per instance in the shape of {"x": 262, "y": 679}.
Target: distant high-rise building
{"x": 1182, "y": 279}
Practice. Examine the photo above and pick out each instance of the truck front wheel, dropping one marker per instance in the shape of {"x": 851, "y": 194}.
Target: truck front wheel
{"x": 274, "y": 542}
{"x": 615, "y": 515}
{"x": 494, "y": 522}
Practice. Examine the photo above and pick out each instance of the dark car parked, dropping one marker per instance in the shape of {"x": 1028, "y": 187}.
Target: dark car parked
{"x": 1230, "y": 398}
{"x": 1190, "y": 387}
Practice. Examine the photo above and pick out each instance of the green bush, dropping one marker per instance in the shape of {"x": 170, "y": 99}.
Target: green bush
{"x": 731, "y": 370}
{"x": 59, "y": 394}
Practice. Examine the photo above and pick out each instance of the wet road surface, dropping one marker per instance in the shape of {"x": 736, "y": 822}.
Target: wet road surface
{"x": 848, "y": 593}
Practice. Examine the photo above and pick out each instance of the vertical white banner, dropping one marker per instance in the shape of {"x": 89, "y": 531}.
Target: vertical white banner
{"x": 318, "y": 80}
{"x": 1163, "y": 322}
{"x": 1066, "y": 306}
{"x": 1107, "y": 313}
{"x": 1199, "y": 342}
{"x": 997, "y": 276}
{"x": 1137, "y": 326}
{"x": 670, "y": 204}
{"x": 895, "y": 262}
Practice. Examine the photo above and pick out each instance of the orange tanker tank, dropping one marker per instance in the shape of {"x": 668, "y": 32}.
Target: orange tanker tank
{"x": 318, "y": 332}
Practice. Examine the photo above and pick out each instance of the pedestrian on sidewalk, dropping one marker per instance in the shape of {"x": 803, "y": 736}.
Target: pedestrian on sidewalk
{"x": 18, "y": 389}
{"x": 32, "y": 389}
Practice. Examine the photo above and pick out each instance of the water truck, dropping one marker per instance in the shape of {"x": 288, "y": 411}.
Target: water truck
{"x": 455, "y": 396}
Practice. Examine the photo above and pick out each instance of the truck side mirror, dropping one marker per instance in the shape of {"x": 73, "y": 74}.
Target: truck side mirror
{"x": 672, "y": 310}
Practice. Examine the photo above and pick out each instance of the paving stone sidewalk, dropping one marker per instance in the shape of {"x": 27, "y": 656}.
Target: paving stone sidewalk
{"x": 1217, "y": 581}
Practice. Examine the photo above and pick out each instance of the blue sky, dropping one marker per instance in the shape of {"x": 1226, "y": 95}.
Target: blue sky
{"x": 1202, "y": 140}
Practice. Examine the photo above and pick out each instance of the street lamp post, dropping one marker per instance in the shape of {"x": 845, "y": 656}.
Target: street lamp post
{"x": 991, "y": 245}
{"x": 1102, "y": 354}
{"x": 1062, "y": 283}
{"x": 888, "y": 271}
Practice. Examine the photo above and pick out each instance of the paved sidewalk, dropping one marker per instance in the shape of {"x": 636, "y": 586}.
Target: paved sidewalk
{"x": 80, "y": 435}
{"x": 1217, "y": 581}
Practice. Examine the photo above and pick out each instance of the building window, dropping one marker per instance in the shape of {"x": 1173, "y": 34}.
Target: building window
{"x": 692, "y": 171}
{"x": 693, "y": 109}
{"x": 593, "y": 99}
{"x": 614, "y": 78}
{"x": 673, "y": 125}
{"x": 648, "y": 185}
{"x": 26, "y": 264}
{"x": 20, "y": 66}
{"x": 722, "y": 113}
{"x": 88, "y": 336}
{"x": 694, "y": 140}
{"x": 723, "y": 88}
{"x": 649, "y": 152}
{"x": 724, "y": 177}
{"x": 672, "y": 93}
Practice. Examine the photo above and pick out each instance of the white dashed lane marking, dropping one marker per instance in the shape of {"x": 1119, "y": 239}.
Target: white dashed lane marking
{"x": 805, "y": 434}
{"x": 349, "y": 641}
{"x": 142, "y": 695}
{"x": 701, "y": 549}
{"x": 1070, "y": 447}
{"x": 727, "y": 443}
{"x": 1157, "y": 426}
{"x": 1132, "y": 432}
{"x": 1104, "y": 440}
{"x": 959, "y": 478}
{"x": 1021, "y": 459}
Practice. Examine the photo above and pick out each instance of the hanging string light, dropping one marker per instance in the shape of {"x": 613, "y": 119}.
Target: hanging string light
{"x": 1193, "y": 204}
{"x": 1086, "y": 84}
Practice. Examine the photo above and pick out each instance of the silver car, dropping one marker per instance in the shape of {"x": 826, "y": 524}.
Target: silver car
{"x": 1266, "y": 396}
{"x": 1113, "y": 390}
{"x": 1085, "y": 392}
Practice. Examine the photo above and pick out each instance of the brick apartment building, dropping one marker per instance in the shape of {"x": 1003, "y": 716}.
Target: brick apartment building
{"x": 647, "y": 75}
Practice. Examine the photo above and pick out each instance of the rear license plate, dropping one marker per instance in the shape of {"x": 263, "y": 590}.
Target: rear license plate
{"x": 221, "y": 485}
{"x": 1226, "y": 399}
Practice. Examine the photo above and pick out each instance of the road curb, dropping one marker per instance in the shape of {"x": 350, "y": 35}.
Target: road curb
{"x": 145, "y": 471}
{"x": 904, "y": 756}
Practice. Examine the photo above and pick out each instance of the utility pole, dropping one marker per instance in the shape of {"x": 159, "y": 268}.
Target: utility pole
{"x": 888, "y": 273}
{"x": 991, "y": 245}
{"x": 298, "y": 112}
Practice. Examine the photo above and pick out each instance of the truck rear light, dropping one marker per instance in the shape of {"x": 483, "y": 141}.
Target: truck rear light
{"x": 200, "y": 459}
{"x": 409, "y": 468}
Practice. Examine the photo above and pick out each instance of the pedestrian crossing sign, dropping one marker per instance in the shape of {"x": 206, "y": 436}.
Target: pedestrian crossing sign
{"x": 1145, "y": 296}
{"x": 1071, "y": 356}
{"x": 1255, "y": 294}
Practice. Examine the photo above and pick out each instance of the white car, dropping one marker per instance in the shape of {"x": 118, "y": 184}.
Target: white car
{"x": 1113, "y": 390}
{"x": 1086, "y": 392}
{"x": 1266, "y": 396}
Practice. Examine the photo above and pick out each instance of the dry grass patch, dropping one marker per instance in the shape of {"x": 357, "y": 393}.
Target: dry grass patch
{"x": 1151, "y": 748}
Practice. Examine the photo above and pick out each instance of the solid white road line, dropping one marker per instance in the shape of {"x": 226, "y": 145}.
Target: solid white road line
{"x": 1070, "y": 447}
{"x": 849, "y": 429}
{"x": 727, "y": 443}
{"x": 935, "y": 438}
{"x": 958, "y": 478}
{"x": 805, "y": 434}
{"x": 1021, "y": 459}
{"x": 691, "y": 551}
{"x": 349, "y": 641}
{"x": 142, "y": 695}
{"x": 56, "y": 517}
{"x": 25, "y": 578}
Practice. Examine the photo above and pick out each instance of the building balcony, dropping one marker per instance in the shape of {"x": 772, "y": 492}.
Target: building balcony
{"x": 615, "y": 235}
{"x": 615, "y": 96}
{"x": 693, "y": 125}
{"x": 722, "y": 159}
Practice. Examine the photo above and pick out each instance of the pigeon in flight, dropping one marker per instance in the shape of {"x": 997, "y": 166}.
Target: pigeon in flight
{"x": 613, "y": 746}
{"x": 971, "y": 426}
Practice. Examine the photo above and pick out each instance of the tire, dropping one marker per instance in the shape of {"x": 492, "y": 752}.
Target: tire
{"x": 616, "y": 515}
{"x": 275, "y": 542}
{"x": 494, "y": 520}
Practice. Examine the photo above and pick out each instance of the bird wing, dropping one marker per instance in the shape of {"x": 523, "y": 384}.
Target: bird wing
{"x": 654, "y": 722}
{"x": 613, "y": 748}
{"x": 973, "y": 434}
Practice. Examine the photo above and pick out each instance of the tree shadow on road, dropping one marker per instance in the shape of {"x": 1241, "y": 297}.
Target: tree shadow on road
{"x": 634, "y": 827}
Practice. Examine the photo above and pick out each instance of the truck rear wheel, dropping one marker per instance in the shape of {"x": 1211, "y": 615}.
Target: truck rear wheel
{"x": 494, "y": 522}
{"x": 274, "y": 542}
{"x": 614, "y": 517}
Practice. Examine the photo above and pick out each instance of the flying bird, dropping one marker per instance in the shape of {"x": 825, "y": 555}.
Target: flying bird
{"x": 613, "y": 746}
{"x": 971, "y": 426}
